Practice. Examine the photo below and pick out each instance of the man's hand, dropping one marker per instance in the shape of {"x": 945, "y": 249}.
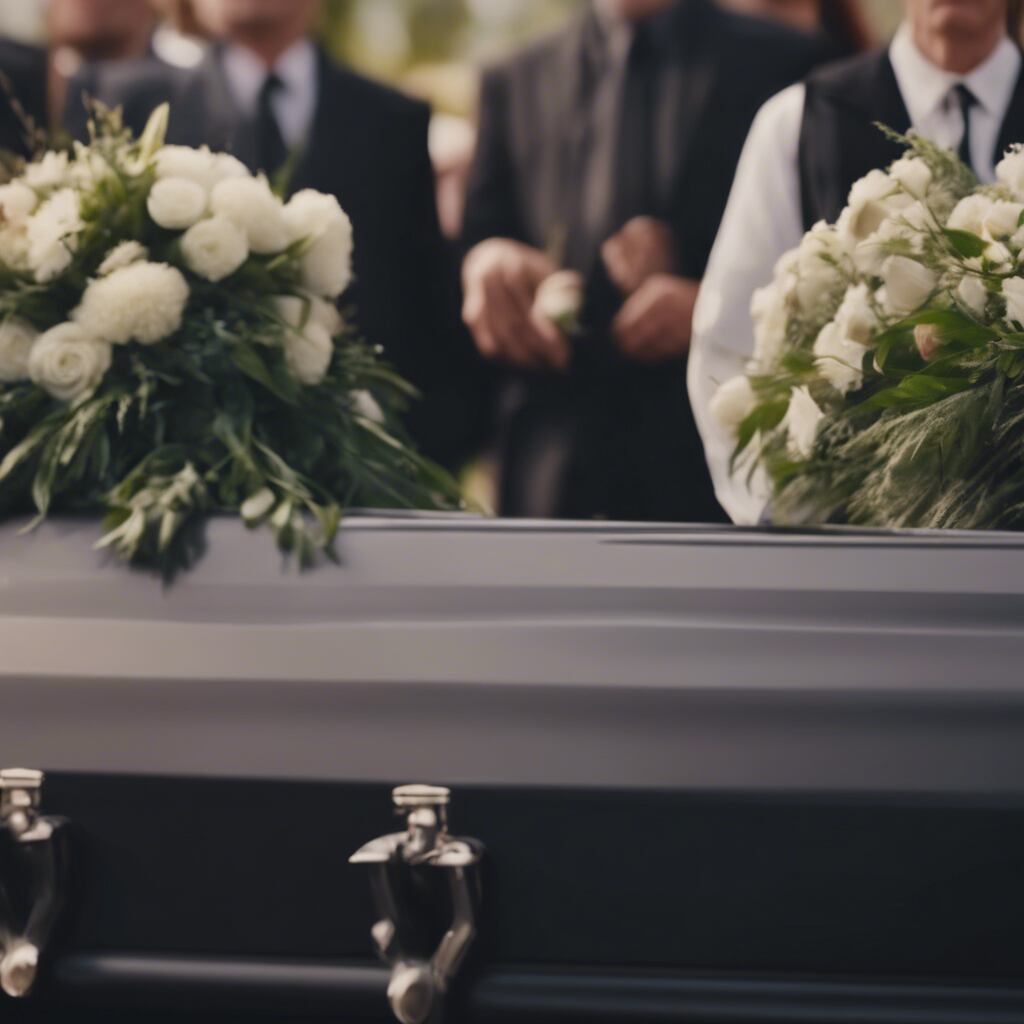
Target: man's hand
{"x": 641, "y": 249}
{"x": 657, "y": 320}
{"x": 500, "y": 278}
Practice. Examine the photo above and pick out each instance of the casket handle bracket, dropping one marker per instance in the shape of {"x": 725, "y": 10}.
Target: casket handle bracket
{"x": 417, "y": 986}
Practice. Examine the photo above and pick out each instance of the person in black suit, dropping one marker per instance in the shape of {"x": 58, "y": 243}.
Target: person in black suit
{"x": 23, "y": 71}
{"x": 609, "y": 149}
{"x": 267, "y": 94}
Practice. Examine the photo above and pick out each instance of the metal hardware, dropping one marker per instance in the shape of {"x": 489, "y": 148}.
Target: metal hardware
{"x": 39, "y": 855}
{"x": 418, "y": 984}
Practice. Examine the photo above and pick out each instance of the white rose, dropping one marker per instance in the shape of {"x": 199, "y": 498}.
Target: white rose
{"x": 913, "y": 174}
{"x": 803, "y": 417}
{"x": 907, "y": 284}
{"x": 559, "y": 299}
{"x": 250, "y": 203}
{"x": 17, "y": 201}
{"x": 769, "y": 313}
{"x": 122, "y": 255}
{"x": 196, "y": 165}
{"x": 365, "y": 405}
{"x": 1013, "y": 293}
{"x": 839, "y": 359}
{"x": 308, "y": 353}
{"x": 872, "y": 199}
{"x": 67, "y": 362}
{"x": 970, "y": 213}
{"x": 1010, "y": 170}
{"x": 214, "y": 248}
{"x": 143, "y": 302}
{"x": 973, "y": 294}
{"x": 1002, "y": 219}
{"x": 176, "y": 203}
{"x": 51, "y": 171}
{"x": 856, "y": 315}
{"x": 16, "y": 338}
{"x": 52, "y": 235}
{"x": 327, "y": 262}
{"x": 732, "y": 403}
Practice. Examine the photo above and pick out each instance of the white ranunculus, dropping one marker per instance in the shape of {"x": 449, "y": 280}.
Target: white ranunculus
{"x": 856, "y": 314}
{"x": 52, "y": 235}
{"x": 50, "y": 171}
{"x": 803, "y": 417}
{"x": 913, "y": 174}
{"x": 973, "y": 294}
{"x": 732, "y": 403}
{"x": 16, "y": 338}
{"x": 176, "y": 203}
{"x": 970, "y": 213}
{"x": 250, "y": 203}
{"x": 308, "y": 353}
{"x": 366, "y": 405}
{"x": 214, "y": 248}
{"x": 839, "y": 359}
{"x": 559, "y": 299}
{"x": 67, "y": 362}
{"x": 1002, "y": 220}
{"x": 226, "y": 166}
{"x": 327, "y": 262}
{"x": 184, "y": 162}
{"x": 907, "y": 284}
{"x": 17, "y": 201}
{"x": 872, "y": 199}
{"x": 122, "y": 255}
{"x": 1010, "y": 170}
{"x": 142, "y": 302}
{"x": 769, "y": 313}
{"x": 1013, "y": 293}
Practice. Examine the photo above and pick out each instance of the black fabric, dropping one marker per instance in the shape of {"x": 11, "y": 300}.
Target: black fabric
{"x": 635, "y": 452}
{"x": 368, "y": 147}
{"x": 839, "y": 138}
{"x": 22, "y": 91}
{"x": 966, "y": 100}
{"x": 271, "y": 149}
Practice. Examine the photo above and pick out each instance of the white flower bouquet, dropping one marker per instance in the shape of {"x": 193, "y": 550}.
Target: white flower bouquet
{"x": 170, "y": 347}
{"x": 887, "y": 382}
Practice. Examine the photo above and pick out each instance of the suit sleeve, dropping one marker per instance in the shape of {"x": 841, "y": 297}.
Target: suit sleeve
{"x": 491, "y": 209}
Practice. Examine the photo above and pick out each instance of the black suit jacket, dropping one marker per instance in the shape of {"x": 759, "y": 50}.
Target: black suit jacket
{"x": 634, "y": 451}
{"x": 25, "y": 72}
{"x": 368, "y": 146}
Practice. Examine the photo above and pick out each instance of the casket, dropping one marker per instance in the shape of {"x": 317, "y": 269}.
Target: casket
{"x": 693, "y": 774}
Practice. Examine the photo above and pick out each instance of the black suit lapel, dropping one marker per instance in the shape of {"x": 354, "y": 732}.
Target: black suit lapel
{"x": 1013, "y": 124}
{"x": 333, "y": 122}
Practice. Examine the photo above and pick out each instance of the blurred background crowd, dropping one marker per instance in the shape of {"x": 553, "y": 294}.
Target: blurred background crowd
{"x": 606, "y": 150}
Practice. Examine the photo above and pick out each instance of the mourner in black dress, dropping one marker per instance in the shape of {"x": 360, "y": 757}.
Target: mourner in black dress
{"x": 609, "y": 149}
{"x": 267, "y": 94}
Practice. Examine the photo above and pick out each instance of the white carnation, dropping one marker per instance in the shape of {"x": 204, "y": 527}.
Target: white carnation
{"x": 250, "y": 203}
{"x": 308, "y": 353}
{"x": 366, "y": 405}
{"x": 803, "y": 417}
{"x": 52, "y": 235}
{"x": 16, "y": 338}
{"x": 143, "y": 302}
{"x": 214, "y": 248}
{"x": 839, "y": 359}
{"x": 1013, "y": 293}
{"x": 732, "y": 403}
{"x": 970, "y": 213}
{"x": 856, "y": 315}
{"x": 50, "y": 171}
{"x": 327, "y": 262}
{"x": 1010, "y": 170}
{"x": 913, "y": 174}
{"x": 769, "y": 313}
{"x": 973, "y": 294}
{"x": 907, "y": 284}
{"x": 176, "y": 203}
{"x": 67, "y": 362}
{"x": 17, "y": 201}
{"x": 122, "y": 255}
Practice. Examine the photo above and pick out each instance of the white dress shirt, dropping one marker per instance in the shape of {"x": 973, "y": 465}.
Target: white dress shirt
{"x": 764, "y": 219}
{"x": 294, "y": 104}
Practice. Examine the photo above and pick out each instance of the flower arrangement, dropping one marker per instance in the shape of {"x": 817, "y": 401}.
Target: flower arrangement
{"x": 170, "y": 347}
{"x": 887, "y": 382}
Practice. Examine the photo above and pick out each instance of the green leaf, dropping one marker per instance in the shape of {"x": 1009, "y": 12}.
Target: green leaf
{"x": 251, "y": 363}
{"x": 966, "y": 243}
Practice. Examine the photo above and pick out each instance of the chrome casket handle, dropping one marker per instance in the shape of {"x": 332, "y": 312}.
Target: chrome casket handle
{"x": 418, "y": 983}
{"x": 33, "y": 878}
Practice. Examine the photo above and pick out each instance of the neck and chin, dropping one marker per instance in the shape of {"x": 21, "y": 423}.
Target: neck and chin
{"x": 632, "y": 11}
{"x": 959, "y": 35}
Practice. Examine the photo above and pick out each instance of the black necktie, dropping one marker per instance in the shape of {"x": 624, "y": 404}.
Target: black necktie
{"x": 271, "y": 151}
{"x": 966, "y": 100}
{"x": 634, "y": 171}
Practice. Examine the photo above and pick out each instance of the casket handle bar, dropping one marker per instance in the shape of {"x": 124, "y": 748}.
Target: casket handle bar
{"x": 417, "y": 986}
{"x": 40, "y": 847}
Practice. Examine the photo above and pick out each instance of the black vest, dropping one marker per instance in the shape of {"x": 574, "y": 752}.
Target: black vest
{"x": 839, "y": 140}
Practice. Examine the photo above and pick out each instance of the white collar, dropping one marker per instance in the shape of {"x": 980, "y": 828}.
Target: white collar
{"x": 246, "y": 73}
{"x": 925, "y": 86}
